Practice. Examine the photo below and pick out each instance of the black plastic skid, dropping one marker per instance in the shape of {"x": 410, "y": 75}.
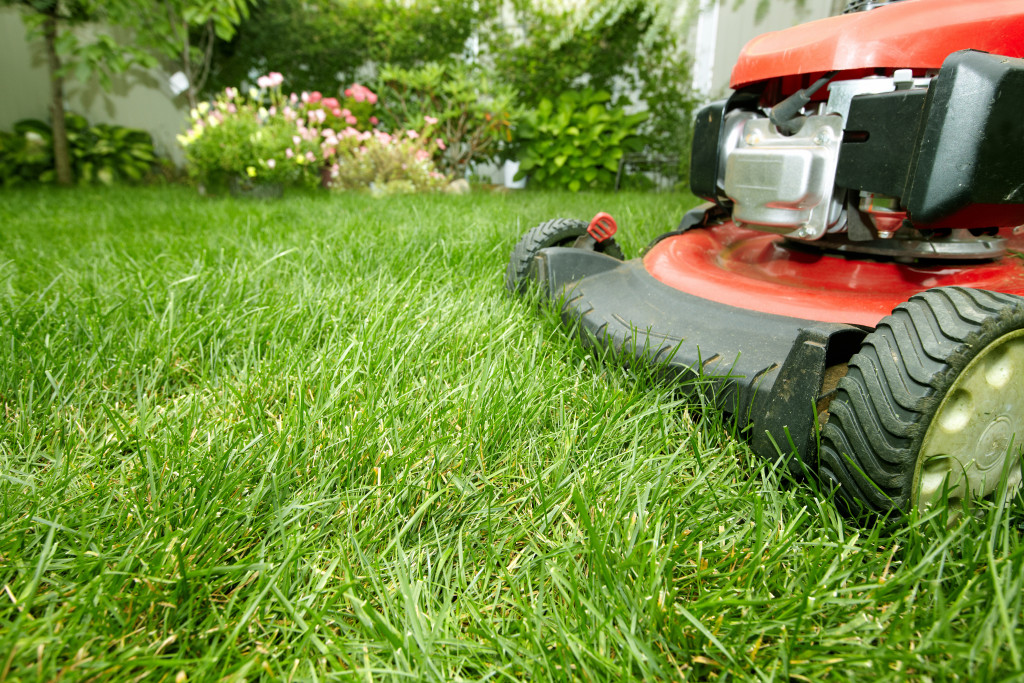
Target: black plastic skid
{"x": 767, "y": 371}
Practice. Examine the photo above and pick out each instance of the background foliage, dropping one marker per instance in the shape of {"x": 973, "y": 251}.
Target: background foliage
{"x": 473, "y": 115}
{"x": 100, "y": 153}
{"x": 416, "y": 57}
{"x": 626, "y": 51}
{"x": 575, "y": 142}
{"x": 319, "y": 44}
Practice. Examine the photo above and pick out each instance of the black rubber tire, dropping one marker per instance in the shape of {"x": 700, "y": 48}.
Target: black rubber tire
{"x": 560, "y": 232}
{"x": 895, "y": 385}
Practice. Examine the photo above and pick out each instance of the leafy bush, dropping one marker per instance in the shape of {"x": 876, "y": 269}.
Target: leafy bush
{"x": 625, "y": 51}
{"x": 300, "y": 139}
{"x": 26, "y": 154}
{"x": 470, "y": 115}
{"x": 575, "y": 142}
{"x": 318, "y": 44}
{"x": 556, "y": 52}
{"x": 100, "y": 153}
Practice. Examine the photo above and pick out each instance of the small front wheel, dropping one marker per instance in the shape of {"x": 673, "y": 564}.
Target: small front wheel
{"x": 560, "y": 232}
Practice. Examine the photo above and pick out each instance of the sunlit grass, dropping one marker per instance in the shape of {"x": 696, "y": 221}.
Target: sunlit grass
{"x": 313, "y": 438}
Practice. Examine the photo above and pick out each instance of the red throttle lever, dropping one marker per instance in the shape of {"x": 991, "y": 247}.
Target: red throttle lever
{"x": 602, "y": 227}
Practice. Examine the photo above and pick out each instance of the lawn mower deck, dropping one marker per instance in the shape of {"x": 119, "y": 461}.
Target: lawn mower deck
{"x": 762, "y": 328}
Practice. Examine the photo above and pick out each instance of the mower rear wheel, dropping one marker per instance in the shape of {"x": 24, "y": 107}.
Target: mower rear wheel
{"x": 932, "y": 408}
{"x": 560, "y": 232}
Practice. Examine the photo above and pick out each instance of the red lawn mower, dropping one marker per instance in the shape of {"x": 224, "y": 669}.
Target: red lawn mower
{"x": 852, "y": 292}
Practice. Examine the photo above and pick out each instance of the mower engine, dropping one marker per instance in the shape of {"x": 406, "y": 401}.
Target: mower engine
{"x": 904, "y": 166}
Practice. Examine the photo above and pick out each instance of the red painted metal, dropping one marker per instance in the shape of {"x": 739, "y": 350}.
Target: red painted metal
{"x": 756, "y": 271}
{"x": 602, "y": 226}
{"x": 914, "y": 34}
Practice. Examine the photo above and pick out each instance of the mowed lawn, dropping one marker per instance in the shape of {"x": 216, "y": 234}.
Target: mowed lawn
{"x": 314, "y": 439}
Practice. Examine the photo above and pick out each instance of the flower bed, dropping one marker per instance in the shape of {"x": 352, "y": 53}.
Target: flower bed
{"x": 267, "y": 137}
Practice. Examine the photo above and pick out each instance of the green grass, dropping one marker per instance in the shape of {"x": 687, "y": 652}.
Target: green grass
{"x": 313, "y": 439}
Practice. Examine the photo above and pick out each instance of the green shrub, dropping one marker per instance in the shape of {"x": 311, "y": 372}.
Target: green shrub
{"x": 250, "y": 137}
{"x": 26, "y": 154}
{"x": 575, "y": 142}
{"x": 100, "y": 153}
{"x": 319, "y": 44}
{"x": 626, "y": 52}
{"x": 470, "y": 116}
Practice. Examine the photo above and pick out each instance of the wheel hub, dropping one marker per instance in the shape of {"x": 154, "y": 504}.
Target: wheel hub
{"x": 976, "y": 437}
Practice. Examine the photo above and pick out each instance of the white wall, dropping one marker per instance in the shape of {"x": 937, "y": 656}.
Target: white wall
{"x": 736, "y": 25}
{"x": 138, "y": 99}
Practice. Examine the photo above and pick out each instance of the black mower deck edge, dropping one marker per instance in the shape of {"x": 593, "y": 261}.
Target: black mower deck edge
{"x": 765, "y": 370}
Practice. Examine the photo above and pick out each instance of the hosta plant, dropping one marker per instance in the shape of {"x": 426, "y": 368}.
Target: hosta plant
{"x": 575, "y": 141}
{"x": 100, "y": 153}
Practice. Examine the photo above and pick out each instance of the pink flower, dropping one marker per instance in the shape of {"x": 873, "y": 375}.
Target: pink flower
{"x": 305, "y": 97}
{"x": 360, "y": 93}
{"x": 296, "y": 140}
{"x": 374, "y": 120}
{"x": 293, "y": 98}
{"x": 337, "y": 112}
{"x": 289, "y": 153}
{"x": 440, "y": 144}
{"x": 317, "y": 116}
{"x": 351, "y": 120}
{"x": 232, "y": 109}
{"x": 329, "y": 152}
{"x": 430, "y": 120}
{"x": 422, "y": 155}
{"x": 275, "y": 79}
{"x": 263, "y": 82}
{"x": 271, "y": 163}
{"x": 315, "y": 97}
{"x": 310, "y": 157}
{"x": 345, "y": 112}
{"x": 330, "y": 103}
{"x": 412, "y": 134}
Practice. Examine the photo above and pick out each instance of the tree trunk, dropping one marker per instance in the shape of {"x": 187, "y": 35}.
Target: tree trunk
{"x": 61, "y": 155}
